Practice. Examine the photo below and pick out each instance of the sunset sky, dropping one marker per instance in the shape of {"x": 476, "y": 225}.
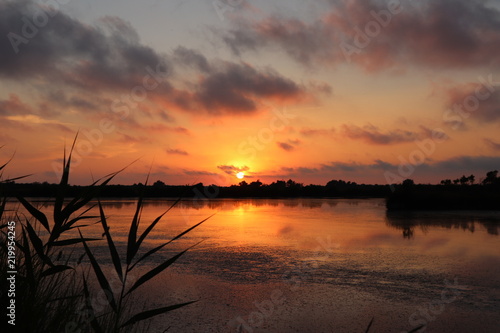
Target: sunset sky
{"x": 362, "y": 90}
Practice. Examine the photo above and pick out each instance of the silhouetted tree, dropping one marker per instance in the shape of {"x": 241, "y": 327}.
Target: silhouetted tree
{"x": 491, "y": 177}
{"x": 408, "y": 183}
{"x": 159, "y": 183}
{"x": 256, "y": 183}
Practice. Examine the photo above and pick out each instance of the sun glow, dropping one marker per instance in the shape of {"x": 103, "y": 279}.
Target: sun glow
{"x": 240, "y": 175}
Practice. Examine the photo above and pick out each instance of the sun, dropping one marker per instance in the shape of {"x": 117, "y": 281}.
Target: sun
{"x": 240, "y": 175}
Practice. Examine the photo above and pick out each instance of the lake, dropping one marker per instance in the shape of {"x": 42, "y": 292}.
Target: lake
{"x": 317, "y": 265}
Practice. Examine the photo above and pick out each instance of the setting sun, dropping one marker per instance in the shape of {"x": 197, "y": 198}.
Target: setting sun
{"x": 240, "y": 175}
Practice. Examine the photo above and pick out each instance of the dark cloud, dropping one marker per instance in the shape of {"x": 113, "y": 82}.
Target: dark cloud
{"x": 166, "y": 116}
{"x": 317, "y": 131}
{"x": 478, "y": 102}
{"x": 372, "y": 134}
{"x": 285, "y": 146}
{"x": 437, "y": 34}
{"x": 64, "y": 49}
{"x": 485, "y": 163}
{"x": 177, "y": 152}
{"x": 199, "y": 173}
{"x": 191, "y": 58}
{"x": 160, "y": 128}
{"x": 129, "y": 139}
{"x": 231, "y": 169}
{"x": 305, "y": 42}
{"x": 14, "y": 106}
{"x": 60, "y": 98}
{"x": 290, "y": 145}
{"x": 492, "y": 144}
{"x": 109, "y": 58}
{"x": 237, "y": 88}
{"x": 436, "y": 170}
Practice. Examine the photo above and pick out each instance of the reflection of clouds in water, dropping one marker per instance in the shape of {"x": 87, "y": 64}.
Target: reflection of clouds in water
{"x": 374, "y": 240}
{"x": 285, "y": 230}
{"x": 435, "y": 243}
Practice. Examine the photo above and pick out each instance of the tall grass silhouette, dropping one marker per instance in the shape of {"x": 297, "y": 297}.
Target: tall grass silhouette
{"x": 55, "y": 287}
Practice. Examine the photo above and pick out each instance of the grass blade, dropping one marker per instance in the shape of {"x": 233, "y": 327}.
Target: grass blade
{"x": 111, "y": 245}
{"x": 90, "y": 193}
{"x": 93, "y": 322}
{"x": 417, "y": 329}
{"x": 35, "y": 213}
{"x": 37, "y": 244}
{"x": 55, "y": 269}
{"x": 101, "y": 278}
{"x": 132, "y": 234}
{"x": 369, "y": 325}
{"x": 15, "y": 178}
{"x": 28, "y": 263}
{"x": 69, "y": 225}
{"x": 72, "y": 241}
{"x": 2, "y": 207}
{"x": 6, "y": 163}
{"x": 151, "y": 313}
{"x": 155, "y": 271}
{"x": 61, "y": 189}
{"x": 150, "y": 252}
{"x": 152, "y": 225}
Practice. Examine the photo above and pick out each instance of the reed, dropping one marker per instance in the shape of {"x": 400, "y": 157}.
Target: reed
{"x": 54, "y": 294}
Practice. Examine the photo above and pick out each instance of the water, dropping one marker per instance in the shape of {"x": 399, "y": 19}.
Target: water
{"x": 317, "y": 265}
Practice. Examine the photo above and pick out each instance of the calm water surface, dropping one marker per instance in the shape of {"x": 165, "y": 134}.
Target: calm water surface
{"x": 334, "y": 263}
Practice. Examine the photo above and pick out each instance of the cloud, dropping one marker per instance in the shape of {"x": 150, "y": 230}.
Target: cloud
{"x": 435, "y": 34}
{"x": 236, "y": 89}
{"x": 231, "y": 169}
{"x": 285, "y": 146}
{"x": 473, "y": 101}
{"x": 67, "y": 50}
{"x": 316, "y": 131}
{"x": 160, "y": 128}
{"x": 372, "y": 134}
{"x": 199, "y": 173}
{"x": 191, "y": 58}
{"x": 108, "y": 58}
{"x": 129, "y": 139}
{"x": 289, "y": 145}
{"x": 492, "y": 144}
{"x": 485, "y": 163}
{"x": 14, "y": 106}
{"x": 177, "y": 152}
{"x": 375, "y": 171}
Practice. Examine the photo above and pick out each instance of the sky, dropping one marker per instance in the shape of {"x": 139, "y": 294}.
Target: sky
{"x": 369, "y": 91}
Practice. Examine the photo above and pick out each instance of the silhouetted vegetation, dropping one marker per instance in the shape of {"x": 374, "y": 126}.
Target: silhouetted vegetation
{"x": 461, "y": 193}
{"x": 255, "y": 189}
{"x": 55, "y": 290}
